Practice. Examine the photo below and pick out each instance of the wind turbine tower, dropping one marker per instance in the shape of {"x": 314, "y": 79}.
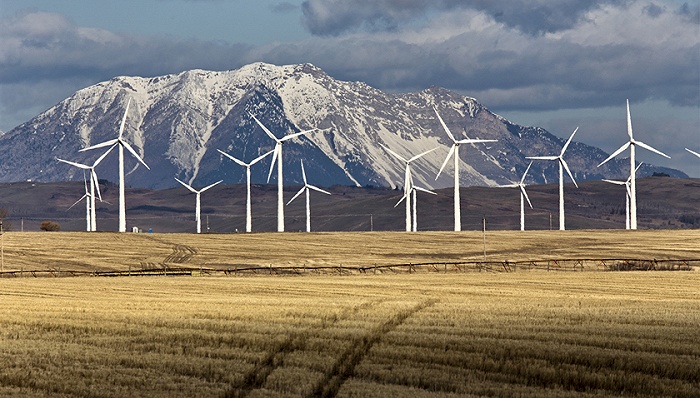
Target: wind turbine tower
{"x": 454, "y": 149}
{"x": 632, "y": 144}
{"x": 122, "y": 144}
{"x": 562, "y": 166}
{"x": 249, "y": 216}
{"x": 277, "y": 157}
{"x": 306, "y": 189}
{"x": 408, "y": 178}
{"x": 94, "y": 184}
{"x": 198, "y": 217}
{"x": 523, "y": 196}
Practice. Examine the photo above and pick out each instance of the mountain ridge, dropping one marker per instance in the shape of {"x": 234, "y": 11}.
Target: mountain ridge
{"x": 177, "y": 122}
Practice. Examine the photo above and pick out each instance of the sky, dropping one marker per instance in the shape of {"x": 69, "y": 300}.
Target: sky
{"x": 552, "y": 64}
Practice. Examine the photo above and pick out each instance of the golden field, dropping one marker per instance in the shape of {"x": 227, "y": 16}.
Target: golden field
{"x": 82, "y": 251}
{"x": 527, "y": 334}
{"x": 496, "y": 334}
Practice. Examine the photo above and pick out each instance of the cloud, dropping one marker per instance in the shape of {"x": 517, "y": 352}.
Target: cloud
{"x": 335, "y": 17}
{"x": 284, "y": 7}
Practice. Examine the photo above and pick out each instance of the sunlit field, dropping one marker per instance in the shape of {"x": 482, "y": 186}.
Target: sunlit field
{"x": 498, "y": 332}
{"x": 82, "y": 251}
{"x": 528, "y": 334}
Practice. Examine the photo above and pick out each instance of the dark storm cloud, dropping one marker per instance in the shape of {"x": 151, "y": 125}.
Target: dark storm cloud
{"x": 334, "y": 17}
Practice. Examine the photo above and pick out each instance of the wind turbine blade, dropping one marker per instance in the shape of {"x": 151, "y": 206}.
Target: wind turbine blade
{"x": 638, "y": 166}
{"x": 278, "y": 146}
{"x": 645, "y": 146}
{"x": 261, "y": 157}
{"x": 290, "y": 136}
{"x": 615, "y": 182}
{"x": 232, "y": 158}
{"x": 514, "y": 185}
{"x": 424, "y": 190}
{"x": 317, "y": 189}
{"x": 629, "y": 122}
{"x": 522, "y": 180}
{"x": 444, "y": 126}
{"x": 133, "y": 152}
{"x": 542, "y": 157}
{"x": 422, "y": 154}
{"x": 568, "y": 142}
{"x": 566, "y": 167}
{"x": 104, "y": 155}
{"x": 100, "y": 145}
{"x": 268, "y": 132}
{"x": 80, "y": 165}
{"x": 622, "y": 148}
{"x": 126, "y": 112}
{"x": 209, "y": 186}
{"x": 78, "y": 201}
{"x": 93, "y": 177}
{"x": 396, "y": 155}
{"x": 303, "y": 173}
{"x": 522, "y": 189}
{"x": 402, "y": 199}
{"x": 186, "y": 186}
{"x": 447, "y": 159}
{"x": 693, "y": 152}
{"x": 474, "y": 141}
{"x": 297, "y": 195}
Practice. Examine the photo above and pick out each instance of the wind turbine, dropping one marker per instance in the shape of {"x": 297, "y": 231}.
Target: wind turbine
{"x": 249, "y": 217}
{"x": 632, "y": 144}
{"x": 277, "y": 156}
{"x": 414, "y": 188}
{"x": 627, "y": 185}
{"x": 86, "y": 196}
{"x": 197, "y": 208}
{"x": 122, "y": 144}
{"x": 693, "y": 152}
{"x": 455, "y": 149}
{"x": 306, "y": 188}
{"x": 523, "y": 196}
{"x": 407, "y": 181}
{"x": 94, "y": 184}
{"x": 562, "y": 166}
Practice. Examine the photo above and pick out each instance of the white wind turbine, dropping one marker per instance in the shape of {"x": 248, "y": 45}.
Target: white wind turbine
{"x": 122, "y": 144}
{"x": 408, "y": 178}
{"x": 249, "y": 216}
{"x": 414, "y": 188}
{"x": 198, "y": 206}
{"x": 632, "y": 144}
{"x": 523, "y": 196}
{"x": 94, "y": 184}
{"x": 86, "y": 196}
{"x": 277, "y": 157}
{"x": 628, "y": 194}
{"x": 562, "y": 166}
{"x": 455, "y": 149}
{"x": 306, "y": 188}
{"x": 693, "y": 152}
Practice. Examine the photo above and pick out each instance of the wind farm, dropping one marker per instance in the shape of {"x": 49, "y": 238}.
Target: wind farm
{"x": 317, "y": 198}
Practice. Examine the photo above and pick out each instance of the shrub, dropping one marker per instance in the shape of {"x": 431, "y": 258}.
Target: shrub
{"x": 50, "y": 226}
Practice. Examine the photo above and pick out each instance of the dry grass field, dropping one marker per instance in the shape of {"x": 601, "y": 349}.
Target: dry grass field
{"x": 81, "y": 251}
{"x": 386, "y": 334}
{"x": 525, "y": 334}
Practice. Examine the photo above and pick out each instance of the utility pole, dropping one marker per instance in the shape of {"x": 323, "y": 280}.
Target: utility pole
{"x": 2, "y": 248}
{"x": 371, "y": 222}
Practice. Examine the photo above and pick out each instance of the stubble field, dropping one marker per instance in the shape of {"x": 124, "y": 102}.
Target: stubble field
{"x": 453, "y": 334}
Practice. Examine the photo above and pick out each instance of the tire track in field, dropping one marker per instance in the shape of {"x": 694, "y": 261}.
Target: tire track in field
{"x": 345, "y": 366}
{"x": 181, "y": 253}
{"x": 257, "y": 377}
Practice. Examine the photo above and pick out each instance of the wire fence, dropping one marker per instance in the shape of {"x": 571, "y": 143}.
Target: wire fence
{"x": 505, "y": 266}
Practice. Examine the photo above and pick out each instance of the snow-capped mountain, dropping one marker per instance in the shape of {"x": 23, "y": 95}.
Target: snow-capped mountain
{"x": 177, "y": 122}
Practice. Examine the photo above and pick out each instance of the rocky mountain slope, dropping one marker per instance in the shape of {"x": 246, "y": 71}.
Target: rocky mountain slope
{"x": 177, "y": 122}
